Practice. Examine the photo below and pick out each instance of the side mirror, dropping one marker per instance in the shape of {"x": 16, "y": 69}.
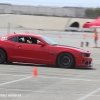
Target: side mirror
{"x": 41, "y": 43}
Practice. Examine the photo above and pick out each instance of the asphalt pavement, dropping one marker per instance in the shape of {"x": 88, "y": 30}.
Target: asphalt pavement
{"x": 18, "y": 83}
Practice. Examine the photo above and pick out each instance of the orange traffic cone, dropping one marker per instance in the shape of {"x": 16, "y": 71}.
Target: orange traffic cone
{"x": 35, "y": 72}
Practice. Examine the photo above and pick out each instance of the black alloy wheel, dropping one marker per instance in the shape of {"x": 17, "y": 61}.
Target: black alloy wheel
{"x": 65, "y": 60}
{"x": 2, "y": 56}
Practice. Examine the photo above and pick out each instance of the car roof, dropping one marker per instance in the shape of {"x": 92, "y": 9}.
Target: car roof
{"x": 23, "y": 34}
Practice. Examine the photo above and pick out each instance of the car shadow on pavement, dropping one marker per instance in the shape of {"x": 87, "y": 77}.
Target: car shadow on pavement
{"x": 85, "y": 68}
{"x": 28, "y": 64}
{"x": 49, "y": 66}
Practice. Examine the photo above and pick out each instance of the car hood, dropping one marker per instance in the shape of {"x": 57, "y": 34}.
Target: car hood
{"x": 74, "y": 48}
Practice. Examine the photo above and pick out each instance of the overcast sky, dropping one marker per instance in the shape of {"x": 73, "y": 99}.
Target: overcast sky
{"x": 77, "y": 3}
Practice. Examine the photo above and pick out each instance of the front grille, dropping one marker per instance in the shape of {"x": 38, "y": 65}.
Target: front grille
{"x": 87, "y": 55}
{"x": 88, "y": 62}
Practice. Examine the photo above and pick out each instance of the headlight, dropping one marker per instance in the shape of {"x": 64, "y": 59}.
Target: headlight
{"x": 85, "y": 54}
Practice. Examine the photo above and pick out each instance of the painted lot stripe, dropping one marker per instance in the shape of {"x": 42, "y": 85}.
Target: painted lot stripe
{"x": 41, "y": 76}
{"x": 13, "y": 75}
{"x": 76, "y": 79}
{"x": 15, "y": 81}
{"x": 90, "y": 94}
{"x": 51, "y": 92}
{"x": 48, "y": 92}
{"x": 23, "y": 90}
{"x": 62, "y": 78}
{"x": 16, "y": 89}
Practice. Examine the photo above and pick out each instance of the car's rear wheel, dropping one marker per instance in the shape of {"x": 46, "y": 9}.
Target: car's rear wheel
{"x": 65, "y": 60}
{"x": 8, "y": 62}
{"x": 2, "y": 56}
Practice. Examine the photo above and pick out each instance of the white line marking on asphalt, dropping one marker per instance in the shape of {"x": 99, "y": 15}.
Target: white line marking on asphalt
{"x": 15, "y": 81}
{"x": 16, "y": 89}
{"x": 52, "y": 92}
{"x": 90, "y": 94}
{"x": 22, "y": 90}
{"x": 41, "y": 91}
{"x": 67, "y": 78}
{"x": 54, "y": 77}
{"x": 13, "y": 75}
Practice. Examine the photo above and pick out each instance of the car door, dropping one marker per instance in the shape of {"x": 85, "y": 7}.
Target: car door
{"x": 10, "y": 48}
{"x": 31, "y": 52}
{"x": 40, "y": 54}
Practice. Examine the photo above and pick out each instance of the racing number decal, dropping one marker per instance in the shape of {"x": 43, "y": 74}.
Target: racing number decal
{"x": 3, "y": 38}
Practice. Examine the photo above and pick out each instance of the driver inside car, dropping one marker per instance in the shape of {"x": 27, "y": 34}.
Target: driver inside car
{"x": 29, "y": 40}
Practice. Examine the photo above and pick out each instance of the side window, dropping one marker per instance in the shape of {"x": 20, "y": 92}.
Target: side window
{"x": 14, "y": 39}
{"x": 35, "y": 40}
{"x": 21, "y": 39}
{"x": 28, "y": 40}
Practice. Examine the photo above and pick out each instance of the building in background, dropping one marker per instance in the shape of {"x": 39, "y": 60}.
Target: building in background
{"x": 73, "y": 17}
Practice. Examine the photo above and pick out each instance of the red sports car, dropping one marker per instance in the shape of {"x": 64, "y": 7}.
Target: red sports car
{"x": 37, "y": 49}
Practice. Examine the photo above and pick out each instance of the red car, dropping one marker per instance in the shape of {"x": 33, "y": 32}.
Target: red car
{"x": 37, "y": 49}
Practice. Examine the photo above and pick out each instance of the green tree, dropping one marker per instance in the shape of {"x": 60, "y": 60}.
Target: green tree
{"x": 90, "y": 13}
{"x": 97, "y": 12}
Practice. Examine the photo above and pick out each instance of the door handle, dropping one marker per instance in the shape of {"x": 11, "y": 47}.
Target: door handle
{"x": 19, "y": 46}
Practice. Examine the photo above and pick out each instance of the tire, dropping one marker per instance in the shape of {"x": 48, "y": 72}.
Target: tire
{"x": 65, "y": 60}
{"x": 8, "y": 62}
{"x": 2, "y": 56}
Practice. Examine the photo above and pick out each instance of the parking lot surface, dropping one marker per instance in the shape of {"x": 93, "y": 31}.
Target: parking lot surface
{"x": 18, "y": 83}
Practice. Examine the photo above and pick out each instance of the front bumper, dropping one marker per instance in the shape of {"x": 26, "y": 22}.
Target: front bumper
{"x": 84, "y": 62}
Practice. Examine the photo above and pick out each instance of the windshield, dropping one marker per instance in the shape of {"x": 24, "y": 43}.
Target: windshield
{"x": 49, "y": 41}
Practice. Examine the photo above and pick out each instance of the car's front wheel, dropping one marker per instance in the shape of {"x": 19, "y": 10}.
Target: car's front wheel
{"x": 2, "y": 56}
{"x": 65, "y": 60}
